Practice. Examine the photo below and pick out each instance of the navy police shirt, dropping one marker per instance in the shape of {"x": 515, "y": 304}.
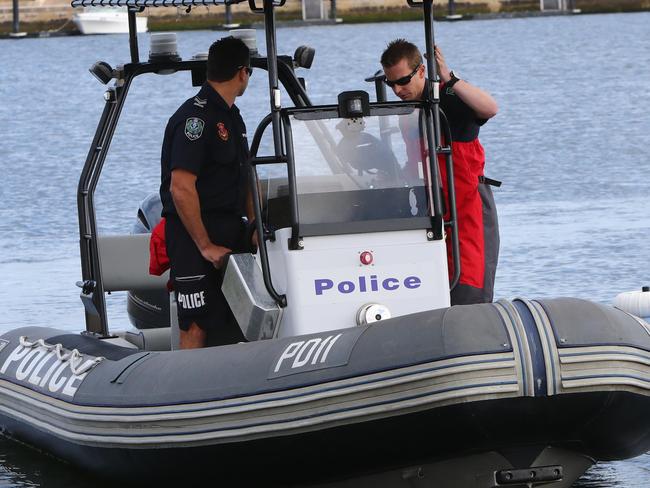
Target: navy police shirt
{"x": 207, "y": 138}
{"x": 463, "y": 121}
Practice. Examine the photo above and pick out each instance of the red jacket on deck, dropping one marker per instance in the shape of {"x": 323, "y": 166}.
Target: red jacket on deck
{"x": 158, "y": 260}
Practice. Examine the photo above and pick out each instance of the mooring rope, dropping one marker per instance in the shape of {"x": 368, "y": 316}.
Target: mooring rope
{"x": 74, "y": 356}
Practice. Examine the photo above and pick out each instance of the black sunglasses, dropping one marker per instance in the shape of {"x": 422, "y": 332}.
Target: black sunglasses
{"x": 404, "y": 80}
{"x": 249, "y": 70}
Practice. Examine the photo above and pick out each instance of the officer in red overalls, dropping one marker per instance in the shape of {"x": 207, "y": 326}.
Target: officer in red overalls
{"x": 467, "y": 107}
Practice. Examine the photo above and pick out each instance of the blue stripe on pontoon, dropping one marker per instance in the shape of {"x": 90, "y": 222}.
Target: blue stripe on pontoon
{"x": 304, "y": 417}
{"x": 535, "y": 347}
{"x": 274, "y": 399}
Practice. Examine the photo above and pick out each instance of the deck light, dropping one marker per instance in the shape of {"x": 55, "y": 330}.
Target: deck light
{"x": 304, "y": 57}
{"x": 354, "y": 104}
{"x": 102, "y": 71}
{"x": 163, "y": 47}
{"x": 371, "y": 313}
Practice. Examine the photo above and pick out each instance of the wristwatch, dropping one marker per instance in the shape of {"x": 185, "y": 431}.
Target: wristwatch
{"x": 453, "y": 79}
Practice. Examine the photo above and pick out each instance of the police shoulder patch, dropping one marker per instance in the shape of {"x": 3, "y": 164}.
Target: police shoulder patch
{"x": 194, "y": 128}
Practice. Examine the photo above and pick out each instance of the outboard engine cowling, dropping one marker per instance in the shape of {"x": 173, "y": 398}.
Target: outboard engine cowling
{"x": 148, "y": 309}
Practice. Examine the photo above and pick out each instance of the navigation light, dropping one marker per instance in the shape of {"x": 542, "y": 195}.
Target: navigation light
{"x": 304, "y": 57}
{"x": 102, "y": 71}
{"x": 354, "y": 104}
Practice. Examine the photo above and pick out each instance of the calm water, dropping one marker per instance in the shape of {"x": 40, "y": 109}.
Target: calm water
{"x": 570, "y": 143}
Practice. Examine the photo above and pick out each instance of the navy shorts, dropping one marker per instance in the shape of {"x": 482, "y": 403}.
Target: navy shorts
{"x": 197, "y": 283}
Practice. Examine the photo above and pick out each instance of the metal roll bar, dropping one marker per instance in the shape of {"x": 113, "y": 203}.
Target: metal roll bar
{"x": 93, "y": 288}
{"x": 93, "y": 292}
{"x": 252, "y": 163}
{"x": 452, "y": 223}
{"x": 278, "y": 69}
{"x": 432, "y": 93}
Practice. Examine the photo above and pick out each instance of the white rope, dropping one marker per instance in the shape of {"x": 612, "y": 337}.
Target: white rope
{"x": 74, "y": 356}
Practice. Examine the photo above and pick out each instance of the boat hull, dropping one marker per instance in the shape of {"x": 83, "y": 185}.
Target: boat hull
{"x": 107, "y": 23}
{"x": 481, "y": 383}
{"x": 503, "y": 434}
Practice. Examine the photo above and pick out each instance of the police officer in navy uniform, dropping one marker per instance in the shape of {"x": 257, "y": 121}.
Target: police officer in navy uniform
{"x": 467, "y": 108}
{"x": 204, "y": 195}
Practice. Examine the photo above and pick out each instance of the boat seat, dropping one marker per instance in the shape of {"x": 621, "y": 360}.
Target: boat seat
{"x": 124, "y": 263}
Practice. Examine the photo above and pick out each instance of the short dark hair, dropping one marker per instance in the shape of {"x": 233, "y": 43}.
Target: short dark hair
{"x": 401, "y": 49}
{"x": 225, "y": 58}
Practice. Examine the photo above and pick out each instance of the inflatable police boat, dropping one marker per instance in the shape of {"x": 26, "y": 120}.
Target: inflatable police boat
{"x": 474, "y": 395}
{"x": 356, "y": 370}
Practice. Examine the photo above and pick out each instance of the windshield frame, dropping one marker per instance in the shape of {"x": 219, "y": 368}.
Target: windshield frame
{"x": 300, "y": 230}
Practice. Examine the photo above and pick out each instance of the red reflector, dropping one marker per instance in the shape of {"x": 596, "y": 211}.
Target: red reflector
{"x": 366, "y": 257}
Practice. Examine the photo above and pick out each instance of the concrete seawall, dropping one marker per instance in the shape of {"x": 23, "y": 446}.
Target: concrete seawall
{"x": 56, "y": 15}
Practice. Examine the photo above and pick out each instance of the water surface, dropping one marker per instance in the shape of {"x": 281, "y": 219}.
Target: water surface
{"x": 570, "y": 143}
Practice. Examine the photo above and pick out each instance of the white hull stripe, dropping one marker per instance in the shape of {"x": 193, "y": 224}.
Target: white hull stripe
{"x": 612, "y": 381}
{"x": 412, "y": 403}
{"x": 105, "y": 426}
{"x": 378, "y": 380}
{"x": 611, "y": 367}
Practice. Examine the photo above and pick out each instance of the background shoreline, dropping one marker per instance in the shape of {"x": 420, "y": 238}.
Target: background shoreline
{"x": 43, "y": 18}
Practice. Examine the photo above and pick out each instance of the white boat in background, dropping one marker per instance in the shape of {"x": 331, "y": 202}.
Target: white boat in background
{"x": 109, "y": 20}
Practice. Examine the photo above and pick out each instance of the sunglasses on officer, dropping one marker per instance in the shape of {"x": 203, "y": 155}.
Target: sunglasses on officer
{"x": 404, "y": 80}
{"x": 249, "y": 70}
